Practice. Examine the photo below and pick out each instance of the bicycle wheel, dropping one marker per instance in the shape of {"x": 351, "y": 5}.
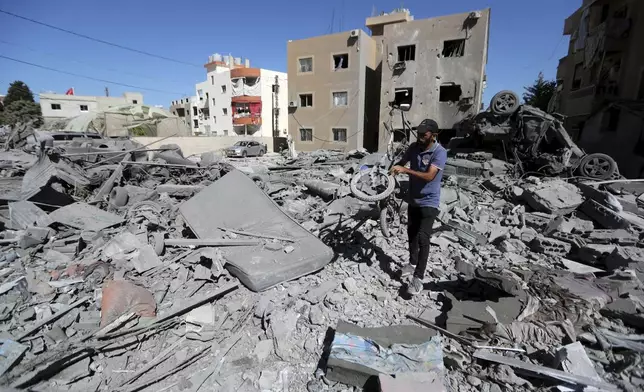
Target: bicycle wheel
{"x": 384, "y": 185}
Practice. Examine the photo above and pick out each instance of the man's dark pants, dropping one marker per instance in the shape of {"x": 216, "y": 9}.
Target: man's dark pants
{"x": 419, "y": 230}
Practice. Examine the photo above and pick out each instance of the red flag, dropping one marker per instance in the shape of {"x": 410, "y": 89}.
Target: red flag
{"x": 70, "y": 91}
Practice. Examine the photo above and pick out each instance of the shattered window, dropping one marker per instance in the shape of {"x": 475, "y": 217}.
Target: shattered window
{"x": 195, "y": 112}
{"x": 224, "y": 111}
{"x": 306, "y": 65}
{"x": 195, "y": 123}
{"x": 223, "y": 89}
{"x": 340, "y": 98}
{"x": 341, "y": 61}
{"x": 306, "y": 134}
{"x": 306, "y": 100}
{"x": 450, "y": 93}
{"x": 407, "y": 53}
{"x": 339, "y": 134}
{"x": 454, "y": 48}
{"x": 576, "y": 77}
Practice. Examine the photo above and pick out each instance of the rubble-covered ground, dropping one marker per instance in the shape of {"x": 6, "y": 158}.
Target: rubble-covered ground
{"x": 533, "y": 283}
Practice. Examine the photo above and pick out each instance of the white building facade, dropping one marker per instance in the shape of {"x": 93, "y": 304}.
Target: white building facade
{"x": 236, "y": 99}
{"x": 59, "y": 106}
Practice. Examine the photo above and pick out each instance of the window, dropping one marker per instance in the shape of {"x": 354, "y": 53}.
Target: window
{"x": 306, "y": 134}
{"x": 306, "y": 100}
{"x": 340, "y": 61}
{"x": 339, "y": 134}
{"x": 340, "y": 98}
{"x": 213, "y": 102}
{"x": 450, "y": 93}
{"x": 214, "y": 119}
{"x": 610, "y": 119}
{"x": 605, "y": 9}
{"x": 200, "y": 94}
{"x": 134, "y": 101}
{"x": 407, "y": 53}
{"x": 576, "y": 77}
{"x": 212, "y": 80}
{"x": 194, "y": 111}
{"x": 640, "y": 90}
{"x": 55, "y": 106}
{"x": 207, "y": 97}
{"x": 83, "y": 108}
{"x": 223, "y": 89}
{"x": 639, "y": 146}
{"x": 454, "y": 48}
{"x": 224, "y": 111}
{"x": 225, "y": 132}
{"x": 195, "y": 123}
{"x": 403, "y": 97}
{"x": 305, "y": 65}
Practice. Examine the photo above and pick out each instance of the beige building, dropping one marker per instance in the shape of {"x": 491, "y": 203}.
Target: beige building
{"x": 342, "y": 87}
{"x": 329, "y": 79}
{"x": 60, "y": 106}
{"x": 601, "y": 81}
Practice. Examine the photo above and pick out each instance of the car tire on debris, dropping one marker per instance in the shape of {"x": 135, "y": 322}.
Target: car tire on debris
{"x": 597, "y": 166}
{"x": 504, "y": 102}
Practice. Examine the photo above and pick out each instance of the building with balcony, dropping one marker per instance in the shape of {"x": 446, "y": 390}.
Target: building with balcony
{"x": 237, "y": 99}
{"x": 601, "y": 80}
{"x": 182, "y": 108}
{"x": 344, "y": 86}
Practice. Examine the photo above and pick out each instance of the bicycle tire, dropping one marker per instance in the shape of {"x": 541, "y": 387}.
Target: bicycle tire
{"x": 391, "y": 186}
{"x": 384, "y": 224}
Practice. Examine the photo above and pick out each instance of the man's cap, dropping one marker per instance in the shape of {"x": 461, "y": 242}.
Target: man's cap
{"x": 427, "y": 125}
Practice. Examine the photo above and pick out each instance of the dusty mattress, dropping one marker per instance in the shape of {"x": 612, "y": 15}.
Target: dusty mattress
{"x": 235, "y": 202}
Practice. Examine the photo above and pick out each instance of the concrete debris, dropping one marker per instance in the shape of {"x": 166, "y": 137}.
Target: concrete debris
{"x": 133, "y": 269}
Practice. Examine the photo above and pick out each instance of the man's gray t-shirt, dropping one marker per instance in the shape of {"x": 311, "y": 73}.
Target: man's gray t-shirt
{"x": 426, "y": 193}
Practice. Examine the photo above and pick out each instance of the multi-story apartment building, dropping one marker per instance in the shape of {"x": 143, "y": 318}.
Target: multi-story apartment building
{"x": 433, "y": 67}
{"x": 182, "y": 108}
{"x": 342, "y": 87}
{"x": 236, "y": 99}
{"x": 331, "y": 89}
{"x": 59, "y": 106}
{"x": 601, "y": 81}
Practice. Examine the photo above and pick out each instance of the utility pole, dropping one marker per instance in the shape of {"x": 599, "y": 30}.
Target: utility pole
{"x": 276, "y": 109}
{"x": 107, "y": 92}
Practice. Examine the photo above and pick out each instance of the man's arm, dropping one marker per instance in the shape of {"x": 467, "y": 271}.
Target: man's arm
{"x": 438, "y": 163}
{"x": 405, "y": 158}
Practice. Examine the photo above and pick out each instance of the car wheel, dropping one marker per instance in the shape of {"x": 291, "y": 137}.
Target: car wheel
{"x": 261, "y": 153}
{"x": 504, "y": 102}
{"x": 244, "y": 154}
{"x": 597, "y": 166}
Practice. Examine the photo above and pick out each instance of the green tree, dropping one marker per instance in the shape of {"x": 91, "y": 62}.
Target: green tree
{"x": 540, "y": 93}
{"x": 21, "y": 112}
{"x": 18, "y": 91}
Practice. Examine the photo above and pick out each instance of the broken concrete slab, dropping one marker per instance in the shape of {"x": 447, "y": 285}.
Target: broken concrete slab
{"x": 464, "y": 315}
{"x": 25, "y": 214}
{"x": 85, "y": 217}
{"x": 556, "y": 196}
{"x": 144, "y": 259}
{"x": 231, "y": 200}
{"x": 411, "y": 382}
{"x": 573, "y": 359}
{"x": 604, "y": 216}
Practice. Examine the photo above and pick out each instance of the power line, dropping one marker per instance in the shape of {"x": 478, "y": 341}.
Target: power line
{"x": 98, "y": 39}
{"x": 92, "y": 78}
{"x": 84, "y": 62}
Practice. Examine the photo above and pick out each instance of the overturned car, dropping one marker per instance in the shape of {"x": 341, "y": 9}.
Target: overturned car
{"x": 534, "y": 140}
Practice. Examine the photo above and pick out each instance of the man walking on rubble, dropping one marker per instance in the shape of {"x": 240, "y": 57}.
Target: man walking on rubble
{"x": 426, "y": 159}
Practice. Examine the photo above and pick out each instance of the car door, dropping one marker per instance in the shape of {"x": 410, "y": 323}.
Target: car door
{"x": 254, "y": 148}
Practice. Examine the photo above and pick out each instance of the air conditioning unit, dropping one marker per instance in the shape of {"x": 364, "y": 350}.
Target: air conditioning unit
{"x": 475, "y": 15}
{"x": 292, "y": 104}
{"x": 354, "y": 33}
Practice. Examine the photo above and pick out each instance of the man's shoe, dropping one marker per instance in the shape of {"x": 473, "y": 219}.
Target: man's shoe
{"x": 407, "y": 270}
{"x": 415, "y": 286}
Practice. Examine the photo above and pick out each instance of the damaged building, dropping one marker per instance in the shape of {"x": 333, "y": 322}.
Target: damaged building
{"x": 344, "y": 86}
{"x": 431, "y": 68}
{"x": 601, "y": 81}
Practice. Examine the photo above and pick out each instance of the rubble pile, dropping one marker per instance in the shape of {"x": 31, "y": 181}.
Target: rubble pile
{"x": 127, "y": 269}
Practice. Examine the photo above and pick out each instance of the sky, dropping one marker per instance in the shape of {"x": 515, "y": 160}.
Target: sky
{"x": 525, "y": 38}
